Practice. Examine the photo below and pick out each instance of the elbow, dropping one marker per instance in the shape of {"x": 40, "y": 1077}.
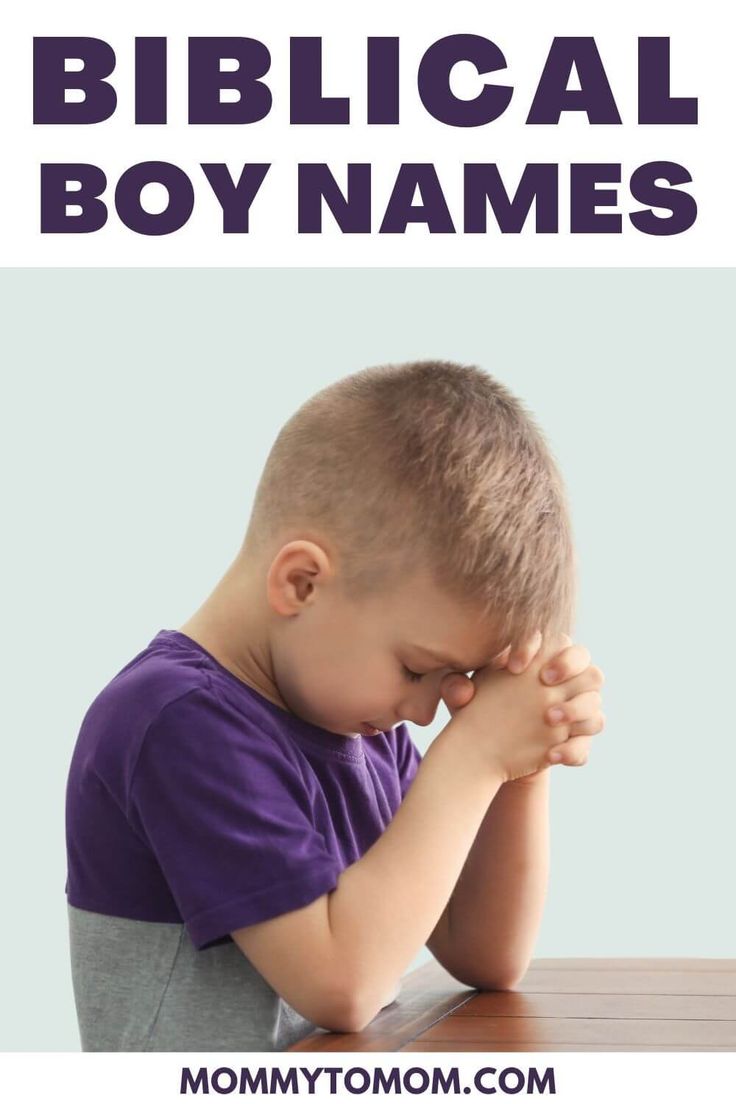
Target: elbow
{"x": 346, "y": 1017}
{"x": 501, "y": 980}
{"x": 490, "y": 980}
{"x": 348, "y": 1011}
{"x": 500, "y": 984}
{"x": 353, "y": 1019}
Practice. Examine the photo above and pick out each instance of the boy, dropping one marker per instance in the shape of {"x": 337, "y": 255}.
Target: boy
{"x": 242, "y": 864}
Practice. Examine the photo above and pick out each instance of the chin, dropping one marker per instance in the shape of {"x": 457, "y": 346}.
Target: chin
{"x": 341, "y": 730}
{"x": 337, "y": 728}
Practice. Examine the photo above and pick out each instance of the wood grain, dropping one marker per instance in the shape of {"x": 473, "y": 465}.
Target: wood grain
{"x": 427, "y": 995}
{"x": 583, "y": 1004}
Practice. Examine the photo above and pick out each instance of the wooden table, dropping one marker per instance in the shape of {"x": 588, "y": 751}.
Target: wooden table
{"x": 563, "y": 1004}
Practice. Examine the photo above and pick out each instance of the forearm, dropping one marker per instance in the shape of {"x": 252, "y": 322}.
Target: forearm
{"x": 387, "y": 904}
{"x": 493, "y": 917}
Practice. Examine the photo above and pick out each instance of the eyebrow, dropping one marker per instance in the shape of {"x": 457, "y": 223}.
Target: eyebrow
{"x": 444, "y": 660}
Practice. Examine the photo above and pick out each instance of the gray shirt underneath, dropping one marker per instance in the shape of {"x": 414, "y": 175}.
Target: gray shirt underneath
{"x": 142, "y": 986}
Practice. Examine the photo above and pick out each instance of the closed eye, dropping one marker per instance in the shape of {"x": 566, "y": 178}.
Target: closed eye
{"x": 413, "y": 676}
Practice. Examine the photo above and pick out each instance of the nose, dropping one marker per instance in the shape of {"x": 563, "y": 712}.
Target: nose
{"x": 420, "y": 710}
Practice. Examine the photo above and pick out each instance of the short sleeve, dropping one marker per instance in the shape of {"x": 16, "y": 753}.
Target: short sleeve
{"x": 408, "y": 757}
{"x": 223, "y": 804}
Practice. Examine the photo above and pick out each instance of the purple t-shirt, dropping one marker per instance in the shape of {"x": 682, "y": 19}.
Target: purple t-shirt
{"x": 194, "y": 800}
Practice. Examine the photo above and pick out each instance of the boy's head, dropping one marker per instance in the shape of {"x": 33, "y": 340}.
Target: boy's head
{"x": 425, "y": 499}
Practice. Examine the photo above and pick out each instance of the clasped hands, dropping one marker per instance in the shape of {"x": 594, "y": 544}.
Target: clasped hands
{"x": 571, "y": 670}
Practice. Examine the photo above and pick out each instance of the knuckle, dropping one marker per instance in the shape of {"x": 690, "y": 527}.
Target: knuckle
{"x": 556, "y": 643}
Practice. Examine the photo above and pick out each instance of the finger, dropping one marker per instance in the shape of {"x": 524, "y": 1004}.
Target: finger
{"x": 590, "y": 679}
{"x": 521, "y": 656}
{"x": 499, "y": 661}
{"x": 591, "y": 727}
{"x": 566, "y": 664}
{"x": 580, "y": 708}
{"x": 573, "y": 753}
{"x": 456, "y": 691}
{"x": 556, "y": 643}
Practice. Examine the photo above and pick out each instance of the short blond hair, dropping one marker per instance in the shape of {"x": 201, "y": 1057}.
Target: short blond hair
{"x": 434, "y": 464}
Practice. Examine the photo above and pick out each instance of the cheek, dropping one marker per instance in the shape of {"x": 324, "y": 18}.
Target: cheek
{"x": 338, "y": 676}
{"x": 326, "y": 690}
{"x": 357, "y": 688}
{"x": 365, "y": 695}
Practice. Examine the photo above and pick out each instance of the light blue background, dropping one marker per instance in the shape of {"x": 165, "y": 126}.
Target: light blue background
{"x": 138, "y": 409}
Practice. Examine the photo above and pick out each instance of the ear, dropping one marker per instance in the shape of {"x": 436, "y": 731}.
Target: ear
{"x": 296, "y": 573}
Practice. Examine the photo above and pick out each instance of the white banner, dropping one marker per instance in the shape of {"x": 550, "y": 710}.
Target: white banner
{"x": 570, "y": 1078}
{"x": 367, "y": 135}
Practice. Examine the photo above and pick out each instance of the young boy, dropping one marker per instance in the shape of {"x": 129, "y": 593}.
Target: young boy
{"x": 242, "y": 862}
